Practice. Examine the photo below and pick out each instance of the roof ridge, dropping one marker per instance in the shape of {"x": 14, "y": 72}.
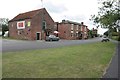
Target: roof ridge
{"x": 26, "y": 15}
{"x": 32, "y": 11}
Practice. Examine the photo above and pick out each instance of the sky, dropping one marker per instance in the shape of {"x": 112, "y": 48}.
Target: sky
{"x": 74, "y": 10}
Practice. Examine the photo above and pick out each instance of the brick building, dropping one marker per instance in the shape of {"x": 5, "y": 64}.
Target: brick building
{"x": 33, "y": 25}
{"x": 71, "y": 30}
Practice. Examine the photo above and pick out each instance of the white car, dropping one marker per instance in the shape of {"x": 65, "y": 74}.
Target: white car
{"x": 52, "y": 38}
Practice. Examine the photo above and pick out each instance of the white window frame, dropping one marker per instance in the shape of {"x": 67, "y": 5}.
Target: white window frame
{"x": 72, "y": 32}
{"x": 81, "y": 28}
{"x": 72, "y": 35}
{"x": 77, "y": 27}
{"x": 28, "y": 23}
{"x": 77, "y": 34}
{"x": 85, "y": 28}
{"x": 72, "y": 26}
{"x": 45, "y": 24}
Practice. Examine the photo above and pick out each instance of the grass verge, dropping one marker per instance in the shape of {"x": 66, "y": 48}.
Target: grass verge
{"x": 81, "y": 61}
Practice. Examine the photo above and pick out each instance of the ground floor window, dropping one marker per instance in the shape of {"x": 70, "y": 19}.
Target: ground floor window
{"x": 72, "y": 35}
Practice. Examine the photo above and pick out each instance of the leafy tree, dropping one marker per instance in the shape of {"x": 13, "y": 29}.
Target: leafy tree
{"x": 108, "y": 14}
{"x": 4, "y": 25}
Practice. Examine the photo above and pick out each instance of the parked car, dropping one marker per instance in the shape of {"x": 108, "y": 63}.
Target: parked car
{"x": 52, "y": 38}
{"x": 105, "y": 39}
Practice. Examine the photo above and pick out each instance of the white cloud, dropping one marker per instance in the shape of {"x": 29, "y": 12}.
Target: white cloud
{"x": 55, "y": 8}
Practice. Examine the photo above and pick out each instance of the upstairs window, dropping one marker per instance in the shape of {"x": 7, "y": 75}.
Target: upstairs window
{"x": 81, "y": 28}
{"x": 44, "y": 25}
{"x": 77, "y": 27}
{"x": 72, "y": 25}
{"x": 29, "y": 24}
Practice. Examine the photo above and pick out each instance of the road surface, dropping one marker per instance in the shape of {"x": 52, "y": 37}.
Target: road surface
{"x": 20, "y": 45}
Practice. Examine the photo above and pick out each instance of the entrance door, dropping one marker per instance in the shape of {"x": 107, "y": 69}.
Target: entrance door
{"x": 38, "y": 36}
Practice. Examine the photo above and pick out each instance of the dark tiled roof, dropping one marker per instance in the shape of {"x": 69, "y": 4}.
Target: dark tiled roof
{"x": 70, "y": 22}
{"x": 26, "y": 15}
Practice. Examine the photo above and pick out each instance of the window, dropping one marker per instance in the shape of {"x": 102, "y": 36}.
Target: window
{"x": 81, "y": 28}
{"x": 28, "y": 24}
{"x": 18, "y": 32}
{"x": 77, "y": 27}
{"x": 72, "y": 25}
{"x": 12, "y": 24}
{"x": 71, "y": 31}
{"x": 44, "y": 25}
{"x": 85, "y": 28}
{"x": 77, "y": 34}
{"x": 72, "y": 35}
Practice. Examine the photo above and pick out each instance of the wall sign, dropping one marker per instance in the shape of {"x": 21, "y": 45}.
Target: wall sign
{"x": 28, "y": 24}
{"x": 21, "y": 25}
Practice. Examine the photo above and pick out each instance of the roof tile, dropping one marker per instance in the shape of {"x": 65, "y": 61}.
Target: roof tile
{"x": 26, "y": 15}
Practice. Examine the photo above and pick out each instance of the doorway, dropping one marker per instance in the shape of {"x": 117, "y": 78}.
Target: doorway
{"x": 38, "y": 36}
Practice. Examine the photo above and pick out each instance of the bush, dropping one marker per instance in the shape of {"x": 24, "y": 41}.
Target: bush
{"x": 115, "y": 34}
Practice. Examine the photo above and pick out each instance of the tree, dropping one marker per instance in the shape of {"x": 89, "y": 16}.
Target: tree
{"x": 108, "y": 14}
{"x": 4, "y": 25}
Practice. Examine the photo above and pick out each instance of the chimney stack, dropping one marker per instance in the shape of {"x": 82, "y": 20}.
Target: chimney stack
{"x": 82, "y": 23}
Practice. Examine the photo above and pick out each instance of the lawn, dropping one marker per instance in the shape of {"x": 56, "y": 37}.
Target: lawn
{"x": 80, "y": 61}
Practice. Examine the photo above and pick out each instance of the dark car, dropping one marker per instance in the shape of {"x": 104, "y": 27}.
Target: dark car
{"x": 52, "y": 38}
{"x": 105, "y": 39}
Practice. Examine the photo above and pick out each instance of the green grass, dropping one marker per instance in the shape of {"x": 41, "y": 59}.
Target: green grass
{"x": 81, "y": 61}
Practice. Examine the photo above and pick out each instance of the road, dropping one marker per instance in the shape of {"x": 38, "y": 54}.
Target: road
{"x": 20, "y": 45}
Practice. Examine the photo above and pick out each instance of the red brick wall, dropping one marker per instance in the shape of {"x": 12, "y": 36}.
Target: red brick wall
{"x": 29, "y": 33}
{"x": 19, "y": 33}
{"x": 37, "y": 24}
{"x": 65, "y": 31}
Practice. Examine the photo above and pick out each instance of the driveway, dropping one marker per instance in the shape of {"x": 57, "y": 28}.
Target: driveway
{"x": 20, "y": 45}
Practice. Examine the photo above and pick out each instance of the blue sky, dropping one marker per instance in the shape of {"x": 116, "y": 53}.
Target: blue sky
{"x": 74, "y": 10}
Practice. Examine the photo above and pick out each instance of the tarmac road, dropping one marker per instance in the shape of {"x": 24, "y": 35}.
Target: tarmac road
{"x": 20, "y": 45}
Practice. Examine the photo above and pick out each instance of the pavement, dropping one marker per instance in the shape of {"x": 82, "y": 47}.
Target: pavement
{"x": 112, "y": 70}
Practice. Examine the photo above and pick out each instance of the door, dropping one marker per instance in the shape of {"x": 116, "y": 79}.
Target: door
{"x": 37, "y": 36}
